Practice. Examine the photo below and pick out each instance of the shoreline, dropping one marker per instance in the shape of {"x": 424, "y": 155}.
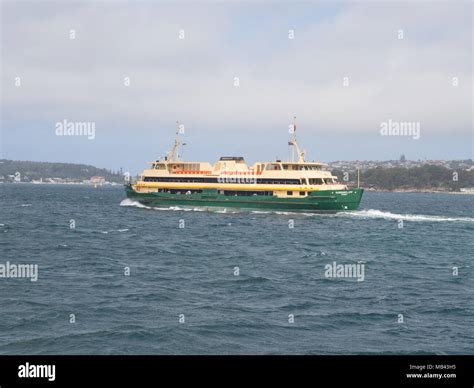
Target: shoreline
{"x": 426, "y": 191}
{"x": 107, "y": 184}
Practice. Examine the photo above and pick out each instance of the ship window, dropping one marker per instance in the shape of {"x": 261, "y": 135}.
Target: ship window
{"x": 242, "y": 181}
{"x": 302, "y": 193}
{"x": 180, "y": 180}
{"x": 289, "y": 192}
{"x": 273, "y": 167}
{"x": 246, "y": 193}
{"x": 180, "y": 192}
{"x": 191, "y": 167}
{"x": 278, "y": 182}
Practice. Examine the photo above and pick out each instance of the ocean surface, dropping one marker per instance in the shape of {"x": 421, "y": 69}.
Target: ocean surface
{"x": 234, "y": 282}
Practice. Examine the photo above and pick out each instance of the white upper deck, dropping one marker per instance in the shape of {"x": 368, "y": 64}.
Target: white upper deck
{"x": 310, "y": 173}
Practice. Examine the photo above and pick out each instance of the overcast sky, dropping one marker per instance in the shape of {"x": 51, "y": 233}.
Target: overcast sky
{"x": 192, "y": 79}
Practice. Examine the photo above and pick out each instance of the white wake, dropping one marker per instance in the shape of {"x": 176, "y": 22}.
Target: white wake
{"x": 132, "y": 203}
{"x": 373, "y": 213}
{"x": 361, "y": 214}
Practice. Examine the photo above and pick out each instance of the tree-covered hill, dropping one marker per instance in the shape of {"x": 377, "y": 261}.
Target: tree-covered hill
{"x": 35, "y": 170}
{"x": 427, "y": 177}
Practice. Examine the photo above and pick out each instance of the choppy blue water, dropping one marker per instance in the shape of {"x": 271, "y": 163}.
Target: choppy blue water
{"x": 191, "y": 271}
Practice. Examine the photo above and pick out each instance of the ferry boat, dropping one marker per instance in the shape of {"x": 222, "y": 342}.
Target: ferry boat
{"x": 296, "y": 185}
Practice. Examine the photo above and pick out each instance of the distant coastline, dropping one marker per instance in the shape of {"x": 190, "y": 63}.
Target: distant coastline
{"x": 12, "y": 171}
{"x": 469, "y": 191}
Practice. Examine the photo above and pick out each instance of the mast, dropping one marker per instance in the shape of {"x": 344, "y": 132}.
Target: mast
{"x": 170, "y": 156}
{"x": 294, "y": 143}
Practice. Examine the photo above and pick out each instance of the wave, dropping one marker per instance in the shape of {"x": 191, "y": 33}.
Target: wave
{"x": 374, "y": 214}
{"x": 111, "y": 231}
{"x": 130, "y": 202}
{"x": 362, "y": 214}
{"x": 287, "y": 213}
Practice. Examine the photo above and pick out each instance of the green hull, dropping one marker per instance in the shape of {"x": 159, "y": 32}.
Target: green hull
{"x": 316, "y": 201}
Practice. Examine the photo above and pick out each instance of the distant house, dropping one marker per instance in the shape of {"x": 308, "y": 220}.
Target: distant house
{"x": 97, "y": 180}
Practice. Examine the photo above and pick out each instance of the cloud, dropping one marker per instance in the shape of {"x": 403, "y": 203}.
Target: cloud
{"x": 406, "y": 79}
